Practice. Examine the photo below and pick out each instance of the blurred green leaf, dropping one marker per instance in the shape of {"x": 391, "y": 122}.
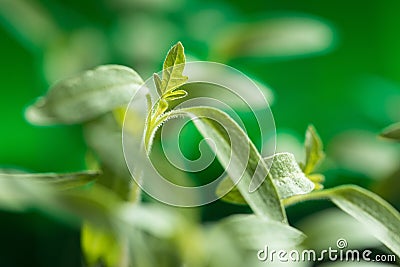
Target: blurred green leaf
{"x": 95, "y": 204}
{"x": 75, "y": 52}
{"x": 23, "y": 193}
{"x": 392, "y": 132}
{"x": 29, "y": 22}
{"x": 362, "y": 152}
{"x": 85, "y": 96}
{"x": 239, "y": 157}
{"x": 60, "y": 181}
{"x": 381, "y": 219}
{"x": 254, "y": 232}
{"x": 286, "y": 174}
{"x": 285, "y": 36}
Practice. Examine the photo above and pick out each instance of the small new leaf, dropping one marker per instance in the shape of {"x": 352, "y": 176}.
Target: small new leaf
{"x": 314, "y": 150}
{"x": 157, "y": 81}
{"x": 162, "y": 106}
{"x": 175, "y": 95}
{"x": 172, "y": 75}
{"x": 172, "y": 79}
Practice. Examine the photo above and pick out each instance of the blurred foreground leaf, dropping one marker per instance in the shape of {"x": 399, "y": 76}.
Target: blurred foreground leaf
{"x": 254, "y": 232}
{"x": 60, "y": 181}
{"x": 102, "y": 246}
{"x": 334, "y": 224}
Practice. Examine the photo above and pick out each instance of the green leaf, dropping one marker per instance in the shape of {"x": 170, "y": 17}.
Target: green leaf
{"x": 85, "y": 96}
{"x": 60, "y": 181}
{"x": 172, "y": 74}
{"x": 94, "y": 204}
{"x": 22, "y": 194}
{"x": 314, "y": 150}
{"x": 178, "y": 94}
{"x": 172, "y": 78}
{"x": 157, "y": 82}
{"x": 382, "y": 220}
{"x": 161, "y": 107}
{"x": 240, "y": 160}
{"x": 254, "y": 232}
{"x": 392, "y": 132}
{"x": 286, "y": 174}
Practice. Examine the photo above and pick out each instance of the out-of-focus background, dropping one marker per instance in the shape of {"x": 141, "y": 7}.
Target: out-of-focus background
{"x": 333, "y": 64}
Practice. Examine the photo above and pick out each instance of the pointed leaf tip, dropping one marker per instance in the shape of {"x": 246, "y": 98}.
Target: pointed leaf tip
{"x": 314, "y": 150}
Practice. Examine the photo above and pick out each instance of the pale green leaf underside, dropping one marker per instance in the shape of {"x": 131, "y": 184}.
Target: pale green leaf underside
{"x": 382, "y": 220}
{"x": 286, "y": 174}
{"x": 265, "y": 200}
{"x": 392, "y": 132}
{"x": 254, "y": 232}
{"x": 85, "y": 96}
{"x": 314, "y": 150}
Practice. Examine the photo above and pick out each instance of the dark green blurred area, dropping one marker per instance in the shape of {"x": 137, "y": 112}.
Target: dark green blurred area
{"x": 349, "y": 91}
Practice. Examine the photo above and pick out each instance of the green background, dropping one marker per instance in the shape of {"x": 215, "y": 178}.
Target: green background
{"x": 352, "y": 86}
